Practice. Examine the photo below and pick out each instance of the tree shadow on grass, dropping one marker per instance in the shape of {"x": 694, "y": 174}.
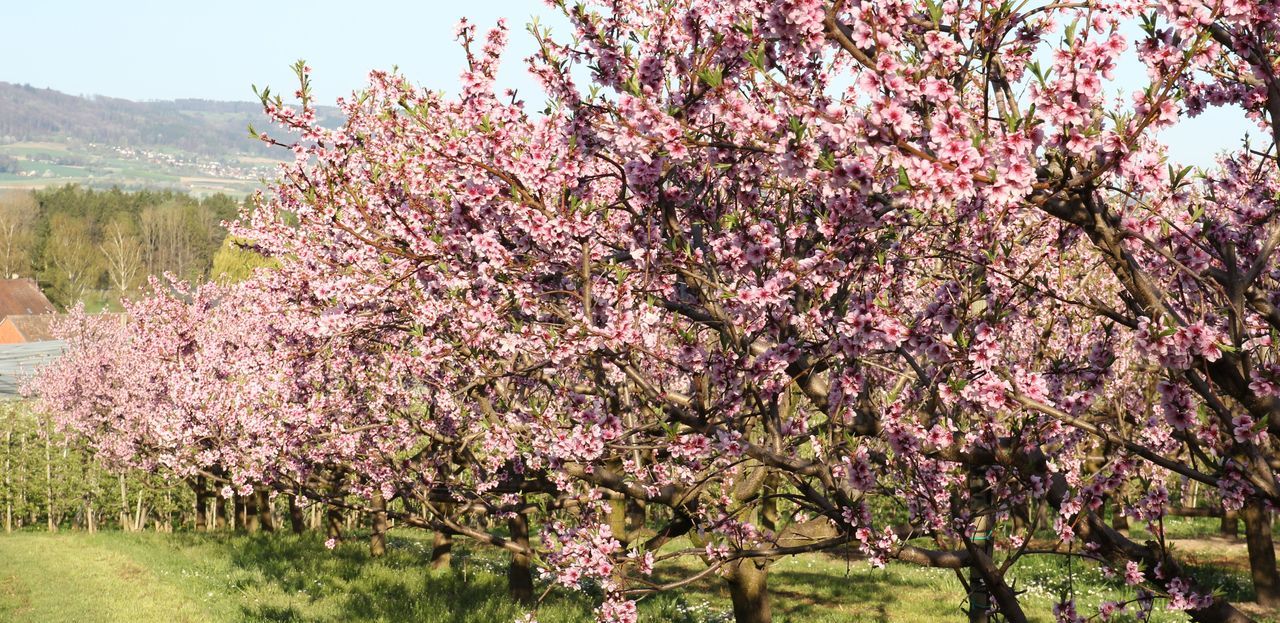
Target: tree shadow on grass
{"x": 294, "y": 579}
{"x": 346, "y": 584}
{"x": 823, "y": 594}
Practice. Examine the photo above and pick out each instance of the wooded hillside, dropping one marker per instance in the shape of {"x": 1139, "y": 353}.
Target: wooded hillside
{"x": 97, "y": 246}
{"x": 211, "y": 128}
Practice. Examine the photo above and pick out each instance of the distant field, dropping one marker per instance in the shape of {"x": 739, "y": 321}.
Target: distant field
{"x": 45, "y": 164}
{"x": 144, "y": 578}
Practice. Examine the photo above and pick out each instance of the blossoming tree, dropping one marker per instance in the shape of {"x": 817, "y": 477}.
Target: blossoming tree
{"x": 799, "y": 274}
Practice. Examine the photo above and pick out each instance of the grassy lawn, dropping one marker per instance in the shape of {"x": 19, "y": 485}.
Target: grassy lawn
{"x": 140, "y": 578}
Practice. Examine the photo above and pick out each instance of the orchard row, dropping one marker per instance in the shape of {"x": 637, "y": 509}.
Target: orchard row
{"x": 762, "y": 279}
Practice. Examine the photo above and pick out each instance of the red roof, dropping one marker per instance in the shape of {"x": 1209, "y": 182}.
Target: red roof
{"x": 22, "y": 297}
{"x": 33, "y": 327}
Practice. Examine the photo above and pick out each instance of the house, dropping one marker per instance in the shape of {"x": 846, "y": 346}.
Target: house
{"x": 26, "y": 312}
{"x": 20, "y": 328}
{"x": 23, "y": 296}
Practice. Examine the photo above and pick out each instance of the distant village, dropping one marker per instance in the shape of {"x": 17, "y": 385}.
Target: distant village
{"x": 177, "y": 163}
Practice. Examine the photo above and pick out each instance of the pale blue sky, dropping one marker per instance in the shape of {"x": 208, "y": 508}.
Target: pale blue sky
{"x": 167, "y": 49}
{"x": 156, "y": 49}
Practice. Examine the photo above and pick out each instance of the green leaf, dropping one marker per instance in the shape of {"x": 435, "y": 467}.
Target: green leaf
{"x": 797, "y": 127}
{"x": 935, "y": 12}
{"x": 756, "y": 57}
{"x": 1179, "y": 176}
{"x": 713, "y": 76}
{"x": 826, "y": 161}
{"x": 904, "y": 181}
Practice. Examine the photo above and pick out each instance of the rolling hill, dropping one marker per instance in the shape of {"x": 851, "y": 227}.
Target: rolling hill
{"x": 199, "y": 146}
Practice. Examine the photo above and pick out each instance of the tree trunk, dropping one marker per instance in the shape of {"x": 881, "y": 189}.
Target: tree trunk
{"x": 334, "y": 523}
{"x": 1118, "y": 521}
{"x": 139, "y": 519}
{"x": 221, "y": 512}
{"x": 266, "y": 511}
{"x": 1262, "y": 553}
{"x": 48, "y": 481}
{"x": 378, "y": 540}
{"x": 637, "y": 517}
{"x": 441, "y": 550}
{"x": 618, "y": 521}
{"x": 242, "y": 512}
{"x": 252, "y": 514}
{"x": 749, "y": 589}
{"x": 1229, "y": 524}
{"x": 983, "y": 526}
{"x": 124, "y": 504}
{"x": 8, "y": 479}
{"x": 295, "y": 516}
{"x": 202, "y": 496}
{"x": 519, "y": 574}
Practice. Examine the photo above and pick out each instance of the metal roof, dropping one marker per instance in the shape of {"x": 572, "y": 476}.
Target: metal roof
{"x": 18, "y": 362}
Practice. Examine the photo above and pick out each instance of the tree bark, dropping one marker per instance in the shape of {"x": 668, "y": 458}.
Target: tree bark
{"x": 48, "y": 481}
{"x": 378, "y": 539}
{"x": 441, "y": 550}
{"x": 221, "y": 512}
{"x": 8, "y": 478}
{"x": 242, "y": 513}
{"x": 124, "y": 504}
{"x": 139, "y": 520}
{"x": 252, "y": 522}
{"x": 262, "y": 502}
{"x": 202, "y": 507}
{"x": 749, "y": 590}
{"x": 1229, "y": 524}
{"x": 1262, "y": 553}
{"x": 296, "y": 520}
{"x": 333, "y": 523}
{"x": 519, "y": 573}
{"x": 1118, "y": 521}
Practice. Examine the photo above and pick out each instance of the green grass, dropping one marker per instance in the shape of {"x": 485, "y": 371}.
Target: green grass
{"x": 140, "y": 578}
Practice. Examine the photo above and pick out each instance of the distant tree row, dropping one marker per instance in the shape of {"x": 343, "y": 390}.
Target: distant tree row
{"x": 81, "y": 243}
{"x": 47, "y": 481}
